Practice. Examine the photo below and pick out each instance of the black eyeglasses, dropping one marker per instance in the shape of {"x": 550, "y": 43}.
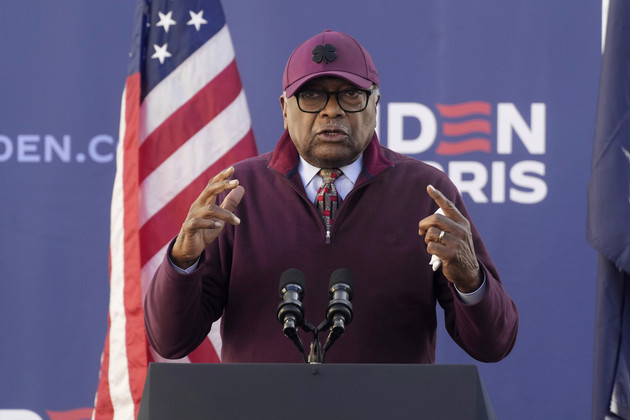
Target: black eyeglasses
{"x": 349, "y": 100}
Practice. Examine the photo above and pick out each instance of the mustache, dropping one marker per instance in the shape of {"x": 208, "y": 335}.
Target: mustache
{"x": 337, "y": 128}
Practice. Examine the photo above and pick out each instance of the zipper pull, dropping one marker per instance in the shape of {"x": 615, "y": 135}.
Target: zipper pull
{"x": 327, "y": 236}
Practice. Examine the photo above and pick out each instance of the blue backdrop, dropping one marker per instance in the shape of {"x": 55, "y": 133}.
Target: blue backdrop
{"x": 527, "y": 71}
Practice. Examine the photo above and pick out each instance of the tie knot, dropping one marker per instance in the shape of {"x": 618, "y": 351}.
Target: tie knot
{"x": 329, "y": 175}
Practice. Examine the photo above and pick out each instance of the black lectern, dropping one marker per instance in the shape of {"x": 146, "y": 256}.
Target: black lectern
{"x": 309, "y": 391}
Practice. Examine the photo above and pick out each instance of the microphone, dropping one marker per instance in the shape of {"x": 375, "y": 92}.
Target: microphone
{"x": 339, "y": 313}
{"x": 290, "y": 312}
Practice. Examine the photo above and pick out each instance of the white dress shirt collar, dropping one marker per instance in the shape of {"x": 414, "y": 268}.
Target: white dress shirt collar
{"x": 344, "y": 183}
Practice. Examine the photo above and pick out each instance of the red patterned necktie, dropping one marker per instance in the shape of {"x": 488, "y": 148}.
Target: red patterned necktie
{"x": 327, "y": 199}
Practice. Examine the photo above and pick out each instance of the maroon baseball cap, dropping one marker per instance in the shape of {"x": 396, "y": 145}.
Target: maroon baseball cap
{"x": 329, "y": 54}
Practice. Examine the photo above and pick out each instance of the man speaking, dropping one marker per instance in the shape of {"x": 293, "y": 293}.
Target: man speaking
{"x": 329, "y": 197}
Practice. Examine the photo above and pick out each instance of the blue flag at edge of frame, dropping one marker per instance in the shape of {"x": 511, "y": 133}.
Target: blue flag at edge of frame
{"x": 608, "y": 225}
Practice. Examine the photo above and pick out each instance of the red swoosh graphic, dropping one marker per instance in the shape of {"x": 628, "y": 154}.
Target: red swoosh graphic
{"x": 464, "y": 109}
{"x": 464, "y": 146}
{"x": 466, "y": 127}
{"x": 76, "y": 414}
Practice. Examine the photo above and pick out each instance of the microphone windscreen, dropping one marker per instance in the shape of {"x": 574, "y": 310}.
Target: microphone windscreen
{"x": 292, "y": 276}
{"x": 341, "y": 275}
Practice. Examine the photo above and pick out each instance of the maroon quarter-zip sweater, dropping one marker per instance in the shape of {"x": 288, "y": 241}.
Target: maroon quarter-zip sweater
{"x": 375, "y": 236}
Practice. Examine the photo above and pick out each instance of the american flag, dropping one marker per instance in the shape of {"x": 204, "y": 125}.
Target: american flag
{"x": 184, "y": 117}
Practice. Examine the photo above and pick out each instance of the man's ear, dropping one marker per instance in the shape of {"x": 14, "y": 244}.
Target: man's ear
{"x": 283, "y": 105}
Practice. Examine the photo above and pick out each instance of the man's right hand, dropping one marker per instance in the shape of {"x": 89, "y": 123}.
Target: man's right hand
{"x": 206, "y": 219}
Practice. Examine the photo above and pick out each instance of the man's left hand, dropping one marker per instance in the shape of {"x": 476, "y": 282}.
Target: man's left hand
{"x": 449, "y": 238}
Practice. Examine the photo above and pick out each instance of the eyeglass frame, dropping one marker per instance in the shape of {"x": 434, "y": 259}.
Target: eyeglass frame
{"x": 336, "y": 93}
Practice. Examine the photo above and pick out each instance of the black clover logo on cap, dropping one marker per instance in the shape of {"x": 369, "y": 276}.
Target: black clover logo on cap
{"x": 324, "y": 52}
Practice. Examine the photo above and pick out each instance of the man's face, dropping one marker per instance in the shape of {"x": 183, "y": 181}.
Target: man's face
{"x": 331, "y": 138}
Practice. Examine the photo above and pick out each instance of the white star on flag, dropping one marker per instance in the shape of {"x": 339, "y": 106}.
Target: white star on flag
{"x": 166, "y": 20}
{"x": 196, "y": 19}
{"x": 161, "y": 53}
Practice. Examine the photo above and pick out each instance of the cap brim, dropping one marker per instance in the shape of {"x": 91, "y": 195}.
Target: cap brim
{"x": 350, "y": 77}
